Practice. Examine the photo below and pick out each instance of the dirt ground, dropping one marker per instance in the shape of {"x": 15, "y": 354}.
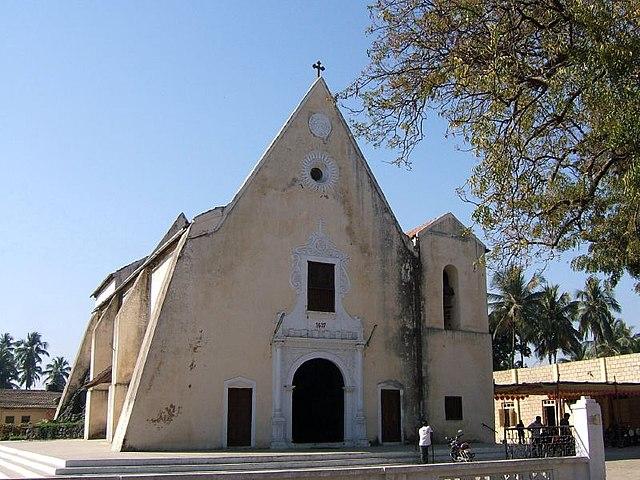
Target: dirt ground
{"x": 623, "y": 463}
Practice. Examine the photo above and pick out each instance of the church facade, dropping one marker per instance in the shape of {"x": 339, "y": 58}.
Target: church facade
{"x": 300, "y": 313}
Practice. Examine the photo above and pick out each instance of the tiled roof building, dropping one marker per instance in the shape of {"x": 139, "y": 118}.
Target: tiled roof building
{"x": 27, "y": 406}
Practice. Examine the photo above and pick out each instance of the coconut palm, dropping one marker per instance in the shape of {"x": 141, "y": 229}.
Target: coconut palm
{"x": 57, "y": 372}
{"x": 6, "y": 341}
{"x": 8, "y": 372}
{"x": 595, "y": 311}
{"x": 29, "y": 353}
{"x": 582, "y": 351}
{"x": 554, "y": 325}
{"x": 623, "y": 340}
{"x": 513, "y": 308}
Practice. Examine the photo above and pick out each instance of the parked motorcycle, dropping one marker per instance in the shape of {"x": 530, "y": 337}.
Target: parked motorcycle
{"x": 460, "y": 451}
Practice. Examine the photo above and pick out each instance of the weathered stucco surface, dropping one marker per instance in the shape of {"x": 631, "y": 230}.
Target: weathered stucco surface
{"x": 234, "y": 282}
{"x": 230, "y": 281}
{"x": 130, "y": 326}
{"x": 101, "y": 358}
{"x": 457, "y": 361}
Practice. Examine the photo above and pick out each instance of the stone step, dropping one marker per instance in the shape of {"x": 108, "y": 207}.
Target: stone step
{"x": 17, "y": 467}
{"x": 38, "y": 458}
{"x": 17, "y": 463}
{"x": 21, "y": 463}
{"x": 226, "y": 467}
{"x": 221, "y": 458}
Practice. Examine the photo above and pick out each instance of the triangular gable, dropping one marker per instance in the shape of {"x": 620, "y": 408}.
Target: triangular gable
{"x": 179, "y": 224}
{"x": 318, "y": 86}
{"x": 446, "y": 223}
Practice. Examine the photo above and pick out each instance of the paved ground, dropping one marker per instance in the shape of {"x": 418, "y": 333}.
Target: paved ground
{"x": 623, "y": 463}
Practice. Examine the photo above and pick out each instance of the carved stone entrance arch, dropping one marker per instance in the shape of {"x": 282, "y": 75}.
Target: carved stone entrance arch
{"x": 325, "y": 355}
{"x": 303, "y": 335}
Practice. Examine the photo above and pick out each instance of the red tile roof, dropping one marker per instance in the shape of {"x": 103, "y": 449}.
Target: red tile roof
{"x": 414, "y": 231}
{"x": 28, "y": 398}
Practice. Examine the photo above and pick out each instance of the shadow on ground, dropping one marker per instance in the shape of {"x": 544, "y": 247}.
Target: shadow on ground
{"x": 627, "y": 453}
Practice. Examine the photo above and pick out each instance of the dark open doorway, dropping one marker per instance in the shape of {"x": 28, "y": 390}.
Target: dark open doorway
{"x": 318, "y": 403}
{"x": 391, "y": 415}
{"x": 239, "y": 417}
{"x": 549, "y": 414}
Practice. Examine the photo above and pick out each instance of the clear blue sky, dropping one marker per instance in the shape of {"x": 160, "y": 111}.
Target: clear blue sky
{"x": 116, "y": 116}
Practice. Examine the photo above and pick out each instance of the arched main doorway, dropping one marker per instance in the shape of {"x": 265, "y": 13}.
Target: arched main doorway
{"x": 318, "y": 403}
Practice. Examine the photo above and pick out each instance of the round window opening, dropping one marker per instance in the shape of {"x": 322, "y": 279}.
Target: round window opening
{"x": 316, "y": 174}
{"x": 319, "y": 171}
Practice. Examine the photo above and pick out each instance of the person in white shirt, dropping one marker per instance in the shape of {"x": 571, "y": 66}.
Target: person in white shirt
{"x": 424, "y": 433}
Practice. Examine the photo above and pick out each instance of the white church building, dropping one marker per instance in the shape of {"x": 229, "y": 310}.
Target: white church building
{"x": 299, "y": 313}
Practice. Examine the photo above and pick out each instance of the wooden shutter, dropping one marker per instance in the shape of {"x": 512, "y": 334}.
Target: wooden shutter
{"x": 321, "y": 292}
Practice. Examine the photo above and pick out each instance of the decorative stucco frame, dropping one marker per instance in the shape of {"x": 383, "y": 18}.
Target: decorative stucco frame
{"x": 303, "y": 335}
{"x": 390, "y": 385}
{"x": 238, "y": 382}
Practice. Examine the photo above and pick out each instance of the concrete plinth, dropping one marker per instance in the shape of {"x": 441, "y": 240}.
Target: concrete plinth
{"x": 588, "y": 424}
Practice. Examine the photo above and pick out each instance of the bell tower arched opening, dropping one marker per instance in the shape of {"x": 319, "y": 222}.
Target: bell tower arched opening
{"x": 450, "y": 298}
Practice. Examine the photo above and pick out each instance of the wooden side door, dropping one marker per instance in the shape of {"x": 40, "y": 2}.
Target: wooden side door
{"x": 390, "y": 406}
{"x": 239, "y": 417}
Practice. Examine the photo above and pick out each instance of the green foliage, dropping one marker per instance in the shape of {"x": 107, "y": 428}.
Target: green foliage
{"x": 623, "y": 340}
{"x": 502, "y": 351}
{"x": 57, "y": 373}
{"x": 20, "y": 361}
{"x": 584, "y": 351}
{"x": 546, "y": 93}
{"x": 535, "y": 313}
{"x": 513, "y": 308}
{"x": 8, "y": 371}
{"x": 553, "y": 325}
{"x": 45, "y": 430}
{"x": 28, "y": 354}
{"x": 595, "y": 315}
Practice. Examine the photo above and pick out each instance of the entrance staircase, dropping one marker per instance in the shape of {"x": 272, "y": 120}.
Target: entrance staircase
{"x": 21, "y": 463}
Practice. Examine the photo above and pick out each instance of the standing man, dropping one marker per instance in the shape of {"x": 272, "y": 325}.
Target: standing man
{"x": 425, "y": 441}
{"x": 535, "y": 428}
{"x": 566, "y": 439}
{"x": 565, "y": 429}
{"x": 520, "y": 429}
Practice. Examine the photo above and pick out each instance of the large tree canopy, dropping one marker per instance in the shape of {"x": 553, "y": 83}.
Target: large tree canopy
{"x": 546, "y": 93}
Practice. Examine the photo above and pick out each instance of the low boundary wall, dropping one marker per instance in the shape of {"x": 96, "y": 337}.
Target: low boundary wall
{"x": 566, "y": 468}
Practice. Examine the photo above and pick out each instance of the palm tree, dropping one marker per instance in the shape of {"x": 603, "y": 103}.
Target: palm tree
{"x": 57, "y": 372}
{"x": 554, "y": 325}
{"x": 29, "y": 354}
{"x": 582, "y": 351}
{"x": 623, "y": 340}
{"x": 6, "y": 341}
{"x": 595, "y": 317}
{"x": 513, "y": 308}
{"x": 8, "y": 372}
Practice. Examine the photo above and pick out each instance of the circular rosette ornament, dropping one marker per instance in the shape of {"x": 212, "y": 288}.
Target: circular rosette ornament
{"x": 319, "y": 171}
{"x": 320, "y": 125}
